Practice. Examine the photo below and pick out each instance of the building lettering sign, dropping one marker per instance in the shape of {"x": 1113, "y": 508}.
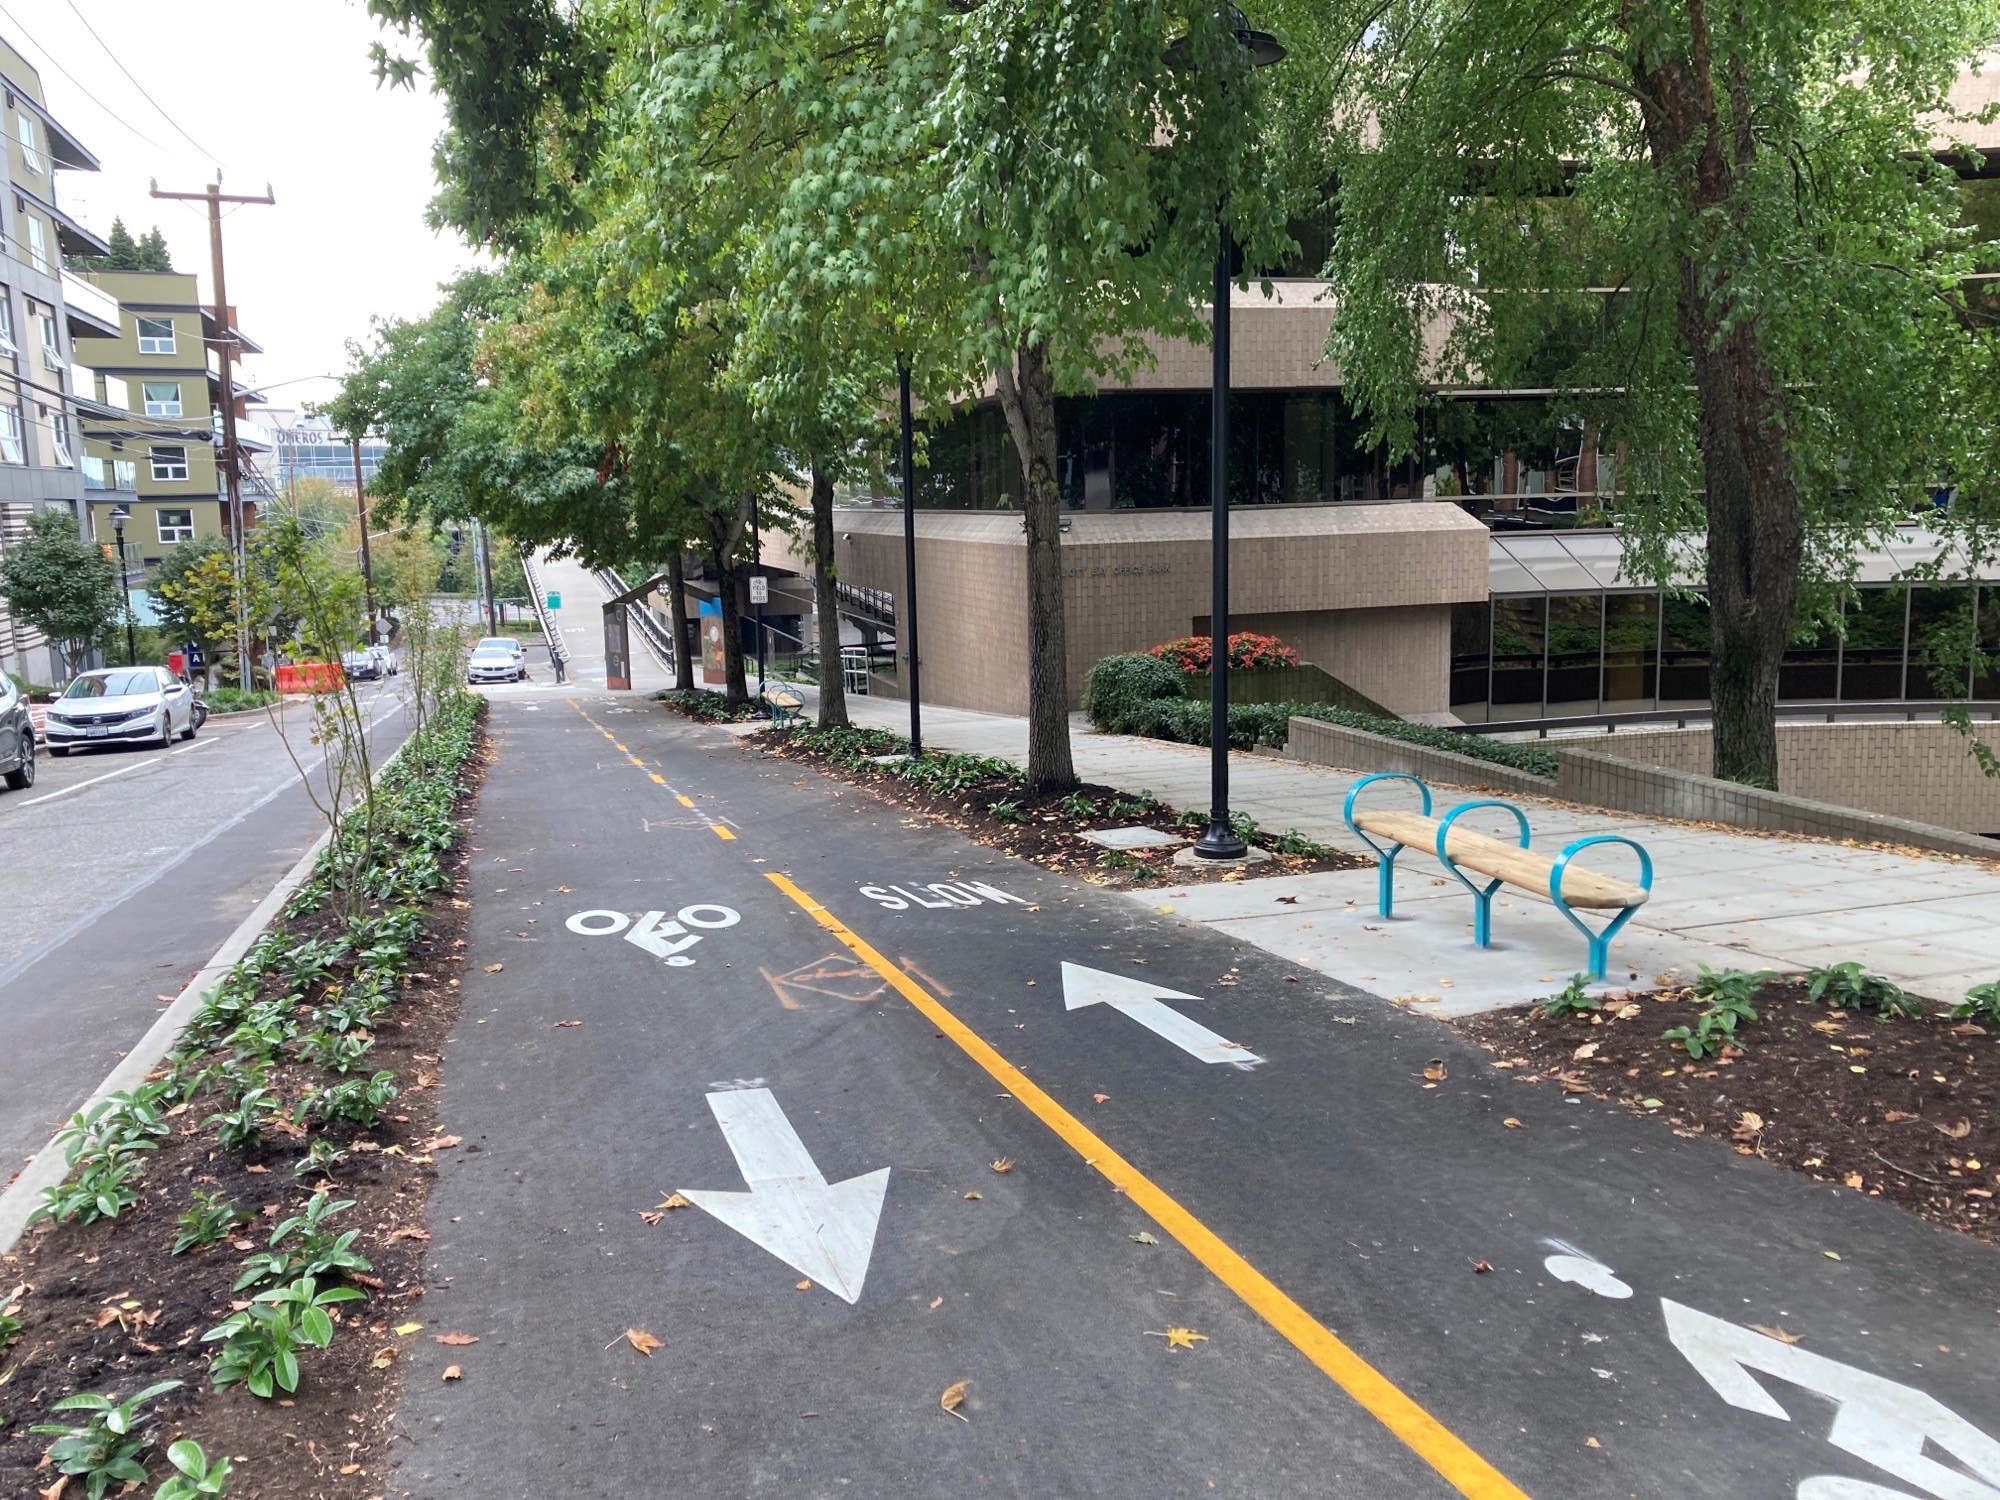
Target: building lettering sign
{"x": 1117, "y": 570}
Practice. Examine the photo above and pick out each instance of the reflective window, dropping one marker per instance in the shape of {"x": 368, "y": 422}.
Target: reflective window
{"x": 156, "y": 335}
{"x": 1519, "y": 634}
{"x": 1871, "y": 660}
{"x": 1576, "y": 641}
{"x": 1631, "y": 651}
{"x": 1941, "y": 642}
{"x": 1684, "y": 647}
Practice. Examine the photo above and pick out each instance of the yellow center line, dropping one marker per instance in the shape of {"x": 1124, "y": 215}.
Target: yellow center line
{"x": 721, "y": 832}
{"x": 658, "y": 777}
{"x": 1429, "y": 1439}
{"x": 684, "y": 801}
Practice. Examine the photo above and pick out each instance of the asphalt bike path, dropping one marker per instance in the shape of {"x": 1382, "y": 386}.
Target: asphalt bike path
{"x": 786, "y": 988}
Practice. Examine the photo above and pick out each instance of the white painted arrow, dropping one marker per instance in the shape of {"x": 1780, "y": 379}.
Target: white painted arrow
{"x": 1143, "y": 1003}
{"x": 820, "y": 1229}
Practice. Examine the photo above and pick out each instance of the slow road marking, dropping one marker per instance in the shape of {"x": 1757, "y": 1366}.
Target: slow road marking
{"x": 1429, "y": 1439}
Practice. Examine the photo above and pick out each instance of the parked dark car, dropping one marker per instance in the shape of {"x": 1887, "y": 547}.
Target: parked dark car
{"x": 361, "y": 666}
{"x": 17, "y": 737}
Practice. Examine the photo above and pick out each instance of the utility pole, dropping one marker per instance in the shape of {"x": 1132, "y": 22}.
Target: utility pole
{"x": 230, "y": 457}
{"x": 367, "y": 567}
{"x": 486, "y": 567}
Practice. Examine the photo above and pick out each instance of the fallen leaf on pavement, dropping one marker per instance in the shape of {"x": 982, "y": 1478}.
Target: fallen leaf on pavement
{"x": 404, "y": 1330}
{"x": 1592, "y": 1443}
{"x": 1005, "y": 1164}
{"x": 1100, "y": 1098}
{"x": 1512, "y": 1124}
{"x": 803, "y": 1286}
{"x": 641, "y": 1340}
{"x": 936, "y": 1303}
{"x": 972, "y": 1195}
{"x": 674, "y": 1200}
{"x": 1481, "y": 1267}
{"x": 453, "y": 1372}
{"x": 1853, "y": 1180}
{"x": 380, "y": 1359}
{"x": 442, "y": 1143}
{"x": 954, "y": 1397}
{"x": 1179, "y": 1338}
{"x": 1143, "y": 1237}
{"x": 651, "y": 1218}
{"x": 495, "y": 968}
{"x": 1288, "y": 900}
{"x": 1436, "y": 1071}
{"x": 454, "y": 1339}
{"x": 569, "y": 1023}
{"x": 409, "y": 1232}
{"x": 1777, "y": 1333}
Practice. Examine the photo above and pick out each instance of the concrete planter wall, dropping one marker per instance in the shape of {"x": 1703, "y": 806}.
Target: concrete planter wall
{"x": 1304, "y": 683}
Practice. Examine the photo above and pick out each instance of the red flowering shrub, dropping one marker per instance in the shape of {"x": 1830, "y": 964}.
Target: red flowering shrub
{"x": 1248, "y": 652}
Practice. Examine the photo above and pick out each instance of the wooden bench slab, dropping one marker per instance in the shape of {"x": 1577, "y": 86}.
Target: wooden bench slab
{"x": 1504, "y": 861}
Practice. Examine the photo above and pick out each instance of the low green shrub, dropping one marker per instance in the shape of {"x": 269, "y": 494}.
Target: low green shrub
{"x": 1118, "y": 685}
{"x": 261, "y": 1344}
{"x": 229, "y": 700}
{"x": 198, "y": 1479}
{"x": 304, "y": 1246}
{"x": 209, "y": 1219}
{"x": 105, "y": 1448}
{"x": 1715, "y": 1027}
{"x": 1573, "y": 999}
{"x": 1981, "y": 1001}
{"x": 1847, "y": 986}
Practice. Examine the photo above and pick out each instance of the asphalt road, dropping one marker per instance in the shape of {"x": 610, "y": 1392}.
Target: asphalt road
{"x": 121, "y": 872}
{"x": 1395, "y": 1292}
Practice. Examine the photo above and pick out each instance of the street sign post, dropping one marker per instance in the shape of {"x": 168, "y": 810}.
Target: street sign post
{"x": 555, "y": 600}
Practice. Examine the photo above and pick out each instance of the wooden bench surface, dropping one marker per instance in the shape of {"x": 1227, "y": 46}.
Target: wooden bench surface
{"x": 783, "y": 699}
{"x": 1504, "y": 861}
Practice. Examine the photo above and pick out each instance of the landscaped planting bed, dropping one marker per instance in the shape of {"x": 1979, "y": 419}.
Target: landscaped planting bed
{"x": 1861, "y": 1088}
{"x": 988, "y": 799}
{"x": 249, "y": 1224}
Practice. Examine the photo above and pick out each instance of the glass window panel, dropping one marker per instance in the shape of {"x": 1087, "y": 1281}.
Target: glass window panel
{"x": 1941, "y": 641}
{"x": 1519, "y": 634}
{"x": 1471, "y": 625}
{"x": 1631, "y": 650}
{"x": 1576, "y": 644}
{"x": 1809, "y": 672}
{"x": 1871, "y": 664}
{"x": 1684, "y": 651}
{"x": 1986, "y": 683}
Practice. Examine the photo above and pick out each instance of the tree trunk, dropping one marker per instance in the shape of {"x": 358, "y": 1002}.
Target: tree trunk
{"x": 826, "y": 605}
{"x": 677, "y": 616}
{"x": 1756, "y": 525}
{"x": 1028, "y": 400}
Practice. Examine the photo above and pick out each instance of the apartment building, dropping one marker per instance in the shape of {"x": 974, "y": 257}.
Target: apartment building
{"x": 43, "y": 309}
{"x": 150, "y": 428}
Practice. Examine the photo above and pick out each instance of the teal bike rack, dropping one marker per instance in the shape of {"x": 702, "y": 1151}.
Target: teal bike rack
{"x": 1482, "y": 895}
{"x": 1385, "y": 859}
{"x": 1600, "y": 942}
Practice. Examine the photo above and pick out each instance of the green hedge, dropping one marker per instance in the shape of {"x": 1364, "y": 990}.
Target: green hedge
{"x": 1123, "y": 698}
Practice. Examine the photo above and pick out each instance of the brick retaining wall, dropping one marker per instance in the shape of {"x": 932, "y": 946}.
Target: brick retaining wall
{"x": 1320, "y": 743}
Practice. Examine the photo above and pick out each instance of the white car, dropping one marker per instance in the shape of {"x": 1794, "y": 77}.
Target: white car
{"x": 492, "y": 664}
{"x": 120, "y": 706}
{"x": 501, "y": 643}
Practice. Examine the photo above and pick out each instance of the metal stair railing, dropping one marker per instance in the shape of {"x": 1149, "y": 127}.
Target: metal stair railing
{"x": 538, "y": 597}
{"x": 657, "y": 639}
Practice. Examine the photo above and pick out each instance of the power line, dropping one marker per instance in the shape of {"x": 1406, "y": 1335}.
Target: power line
{"x": 140, "y": 86}
{"x": 50, "y": 58}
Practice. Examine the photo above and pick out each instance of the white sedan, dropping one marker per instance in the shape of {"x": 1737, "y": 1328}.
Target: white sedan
{"x": 120, "y": 706}
{"x": 495, "y": 664}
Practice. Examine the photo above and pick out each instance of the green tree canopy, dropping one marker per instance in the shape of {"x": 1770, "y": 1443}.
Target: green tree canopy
{"x": 1721, "y": 233}
{"x": 147, "y": 253}
{"x": 63, "y": 586}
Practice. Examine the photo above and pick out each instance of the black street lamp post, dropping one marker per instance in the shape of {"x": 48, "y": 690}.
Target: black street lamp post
{"x": 906, "y": 622}
{"x": 120, "y": 514}
{"x": 1219, "y": 840}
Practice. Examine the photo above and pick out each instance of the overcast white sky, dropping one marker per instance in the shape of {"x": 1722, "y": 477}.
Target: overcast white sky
{"x": 275, "y": 91}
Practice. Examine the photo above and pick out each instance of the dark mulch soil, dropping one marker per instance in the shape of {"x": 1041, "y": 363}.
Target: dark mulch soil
{"x": 709, "y": 708}
{"x": 106, "y": 1308}
{"x": 1046, "y": 833}
{"x": 1905, "y": 1110}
